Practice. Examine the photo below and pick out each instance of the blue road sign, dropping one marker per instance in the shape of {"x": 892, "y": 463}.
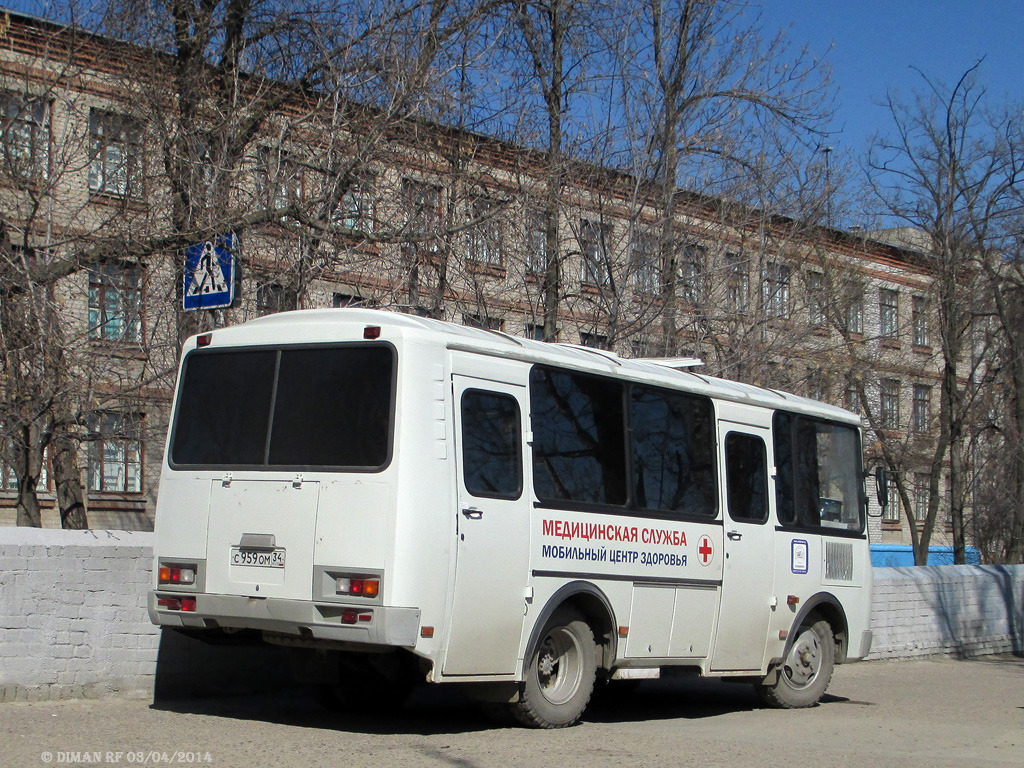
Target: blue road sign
{"x": 210, "y": 274}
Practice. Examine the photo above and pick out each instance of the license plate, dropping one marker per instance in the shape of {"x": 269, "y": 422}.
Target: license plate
{"x": 257, "y": 558}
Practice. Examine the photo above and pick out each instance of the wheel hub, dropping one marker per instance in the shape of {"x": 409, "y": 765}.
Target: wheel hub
{"x": 547, "y": 665}
{"x": 804, "y": 659}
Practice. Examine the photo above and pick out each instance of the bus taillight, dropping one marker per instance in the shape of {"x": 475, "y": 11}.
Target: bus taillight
{"x": 354, "y": 617}
{"x": 359, "y": 587}
{"x": 173, "y": 574}
{"x": 187, "y": 604}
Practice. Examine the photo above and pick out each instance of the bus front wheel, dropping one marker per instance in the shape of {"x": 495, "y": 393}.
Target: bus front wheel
{"x": 560, "y": 673}
{"x": 801, "y": 679}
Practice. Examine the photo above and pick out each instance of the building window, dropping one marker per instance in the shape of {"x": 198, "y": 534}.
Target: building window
{"x": 691, "y": 272}
{"x": 738, "y": 283}
{"x": 486, "y": 244}
{"x": 888, "y": 313}
{"x": 115, "y": 302}
{"x": 24, "y": 136}
{"x": 922, "y": 481}
{"x": 775, "y": 290}
{"x": 204, "y": 171}
{"x": 817, "y": 384}
{"x": 646, "y": 269}
{"x": 851, "y": 398}
{"x": 279, "y": 179}
{"x": 274, "y": 297}
{"x": 892, "y": 510}
{"x": 355, "y": 211}
{"x": 115, "y": 154}
{"x": 890, "y": 404}
{"x": 483, "y": 321}
{"x": 922, "y": 408}
{"x": 534, "y": 331}
{"x": 536, "y": 243}
{"x": 816, "y": 300}
{"x": 594, "y": 340}
{"x": 593, "y": 240}
{"x": 645, "y": 346}
{"x": 422, "y": 213}
{"x": 9, "y": 477}
{"x": 854, "y": 315}
{"x": 115, "y": 453}
{"x": 919, "y": 311}
{"x": 343, "y": 300}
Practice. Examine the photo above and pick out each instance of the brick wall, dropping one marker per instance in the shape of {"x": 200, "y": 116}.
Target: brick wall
{"x": 73, "y": 620}
{"x": 73, "y": 616}
{"x": 949, "y": 609}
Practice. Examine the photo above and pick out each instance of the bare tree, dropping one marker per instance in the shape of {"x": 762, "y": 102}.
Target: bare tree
{"x": 719, "y": 102}
{"x": 999, "y": 512}
{"x": 199, "y": 137}
{"x": 948, "y": 172}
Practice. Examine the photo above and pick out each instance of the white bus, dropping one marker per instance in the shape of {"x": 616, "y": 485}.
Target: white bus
{"x": 401, "y": 499}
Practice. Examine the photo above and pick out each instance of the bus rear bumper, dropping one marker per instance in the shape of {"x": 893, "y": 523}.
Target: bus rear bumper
{"x": 302, "y": 619}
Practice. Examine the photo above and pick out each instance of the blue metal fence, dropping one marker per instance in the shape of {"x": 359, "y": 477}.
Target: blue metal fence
{"x": 898, "y": 555}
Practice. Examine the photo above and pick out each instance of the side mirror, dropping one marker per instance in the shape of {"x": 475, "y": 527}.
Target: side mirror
{"x": 882, "y": 486}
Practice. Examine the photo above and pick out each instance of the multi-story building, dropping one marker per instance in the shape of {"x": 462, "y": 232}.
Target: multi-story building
{"x": 432, "y": 220}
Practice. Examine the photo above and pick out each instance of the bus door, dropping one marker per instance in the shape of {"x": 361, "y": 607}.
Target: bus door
{"x": 492, "y": 550}
{"x": 748, "y": 573}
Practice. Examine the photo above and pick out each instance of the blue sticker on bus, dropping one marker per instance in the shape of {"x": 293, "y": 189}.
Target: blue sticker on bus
{"x": 798, "y": 556}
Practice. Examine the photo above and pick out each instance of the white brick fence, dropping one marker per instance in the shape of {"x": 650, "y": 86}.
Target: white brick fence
{"x": 965, "y": 610}
{"x": 73, "y": 620}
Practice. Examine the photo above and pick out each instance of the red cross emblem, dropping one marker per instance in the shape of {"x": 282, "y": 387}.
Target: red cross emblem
{"x": 705, "y": 551}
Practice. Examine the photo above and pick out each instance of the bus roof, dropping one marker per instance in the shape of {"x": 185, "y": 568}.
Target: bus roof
{"x": 327, "y": 325}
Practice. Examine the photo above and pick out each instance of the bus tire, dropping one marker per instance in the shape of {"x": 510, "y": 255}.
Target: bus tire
{"x": 800, "y": 681}
{"x": 560, "y": 673}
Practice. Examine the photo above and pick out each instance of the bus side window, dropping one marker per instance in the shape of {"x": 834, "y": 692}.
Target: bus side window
{"x": 673, "y": 452}
{"x": 747, "y": 477}
{"x": 492, "y": 465}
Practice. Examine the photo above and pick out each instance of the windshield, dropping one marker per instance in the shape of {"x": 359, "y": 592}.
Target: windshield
{"x": 292, "y": 407}
{"x": 818, "y": 482}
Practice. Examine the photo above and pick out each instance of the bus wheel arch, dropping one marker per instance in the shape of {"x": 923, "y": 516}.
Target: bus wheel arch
{"x": 831, "y": 610}
{"x": 814, "y": 646}
{"x": 595, "y": 608}
{"x": 567, "y": 646}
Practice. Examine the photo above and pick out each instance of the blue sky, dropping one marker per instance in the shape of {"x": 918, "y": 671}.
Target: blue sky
{"x": 872, "y": 45}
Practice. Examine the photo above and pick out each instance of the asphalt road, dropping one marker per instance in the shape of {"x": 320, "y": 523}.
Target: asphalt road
{"x": 876, "y": 714}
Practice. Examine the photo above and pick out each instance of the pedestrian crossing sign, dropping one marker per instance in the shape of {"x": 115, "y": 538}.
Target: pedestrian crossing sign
{"x": 210, "y": 274}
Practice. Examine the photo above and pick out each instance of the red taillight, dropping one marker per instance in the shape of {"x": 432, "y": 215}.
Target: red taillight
{"x": 204, "y": 340}
{"x": 352, "y": 616}
{"x": 177, "y": 603}
{"x": 371, "y": 332}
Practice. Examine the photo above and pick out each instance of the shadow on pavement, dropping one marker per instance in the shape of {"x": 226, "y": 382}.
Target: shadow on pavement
{"x": 443, "y": 709}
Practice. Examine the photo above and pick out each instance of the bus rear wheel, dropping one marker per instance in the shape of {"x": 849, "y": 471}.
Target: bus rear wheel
{"x": 801, "y": 679}
{"x": 560, "y": 673}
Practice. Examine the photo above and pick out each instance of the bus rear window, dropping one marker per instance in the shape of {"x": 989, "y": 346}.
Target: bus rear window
{"x": 325, "y": 407}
